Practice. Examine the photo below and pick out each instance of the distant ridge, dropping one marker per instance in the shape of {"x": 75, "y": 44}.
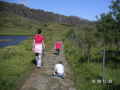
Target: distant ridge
{"x": 40, "y": 15}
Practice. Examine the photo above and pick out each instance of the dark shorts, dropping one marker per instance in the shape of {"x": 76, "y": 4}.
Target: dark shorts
{"x": 59, "y": 75}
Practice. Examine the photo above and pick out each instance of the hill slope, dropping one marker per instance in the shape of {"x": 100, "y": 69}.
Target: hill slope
{"x": 40, "y": 15}
{"x": 14, "y": 24}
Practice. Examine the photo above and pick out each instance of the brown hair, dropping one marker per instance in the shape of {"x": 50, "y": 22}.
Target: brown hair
{"x": 60, "y": 62}
{"x": 39, "y": 31}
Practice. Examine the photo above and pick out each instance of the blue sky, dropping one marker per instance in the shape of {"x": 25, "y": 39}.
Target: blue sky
{"x": 87, "y": 9}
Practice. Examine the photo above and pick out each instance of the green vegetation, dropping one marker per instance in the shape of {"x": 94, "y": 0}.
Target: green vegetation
{"x": 6, "y": 40}
{"x": 88, "y": 73}
{"x": 84, "y": 51}
{"x": 83, "y": 47}
{"x": 16, "y": 61}
{"x": 15, "y": 64}
{"x": 108, "y": 26}
{"x": 16, "y": 25}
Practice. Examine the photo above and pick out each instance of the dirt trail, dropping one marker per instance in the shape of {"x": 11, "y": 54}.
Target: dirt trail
{"x": 41, "y": 79}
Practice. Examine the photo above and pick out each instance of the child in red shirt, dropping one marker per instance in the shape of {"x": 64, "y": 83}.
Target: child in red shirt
{"x": 38, "y": 46}
{"x": 58, "y": 47}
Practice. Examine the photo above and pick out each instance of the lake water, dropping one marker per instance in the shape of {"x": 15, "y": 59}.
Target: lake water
{"x": 11, "y": 40}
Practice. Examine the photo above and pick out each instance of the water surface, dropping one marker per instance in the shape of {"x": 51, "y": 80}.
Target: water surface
{"x": 11, "y": 40}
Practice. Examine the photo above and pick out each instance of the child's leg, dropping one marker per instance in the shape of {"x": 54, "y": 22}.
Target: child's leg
{"x": 39, "y": 61}
{"x": 36, "y": 58}
{"x": 57, "y": 50}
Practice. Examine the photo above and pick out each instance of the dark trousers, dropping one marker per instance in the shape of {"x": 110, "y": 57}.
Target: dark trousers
{"x": 57, "y": 51}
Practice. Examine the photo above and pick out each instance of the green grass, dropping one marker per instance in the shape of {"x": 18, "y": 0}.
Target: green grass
{"x": 15, "y": 34}
{"x": 15, "y": 64}
{"x": 17, "y": 25}
{"x": 16, "y": 61}
{"x": 86, "y": 72}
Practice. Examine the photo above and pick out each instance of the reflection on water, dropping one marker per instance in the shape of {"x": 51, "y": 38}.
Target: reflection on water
{"x": 11, "y": 40}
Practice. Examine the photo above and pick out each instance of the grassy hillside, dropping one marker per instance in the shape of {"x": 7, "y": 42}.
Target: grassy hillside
{"x": 40, "y": 15}
{"x": 14, "y": 24}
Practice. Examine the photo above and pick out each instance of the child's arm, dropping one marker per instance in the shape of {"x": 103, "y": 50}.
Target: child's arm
{"x": 33, "y": 46}
{"x": 43, "y": 44}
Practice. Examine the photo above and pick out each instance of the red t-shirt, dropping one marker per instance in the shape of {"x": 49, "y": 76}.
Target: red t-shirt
{"x": 58, "y": 45}
{"x": 38, "y": 38}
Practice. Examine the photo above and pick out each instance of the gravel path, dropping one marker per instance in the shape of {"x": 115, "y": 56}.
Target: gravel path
{"x": 41, "y": 79}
